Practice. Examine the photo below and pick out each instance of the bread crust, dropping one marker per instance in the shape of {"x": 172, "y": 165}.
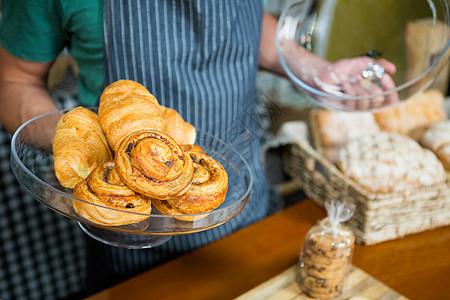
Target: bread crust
{"x": 414, "y": 115}
{"x": 437, "y": 139}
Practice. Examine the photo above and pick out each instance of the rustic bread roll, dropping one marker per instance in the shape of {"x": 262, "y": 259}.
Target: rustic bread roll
{"x": 437, "y": 139}
{"x": 207, "y": 191}
{"x": 332, "y": 129}
{"x": 79, "y": 146}
{"x": 104, "y": 188}
{"x": 125, "y": 107}
{"x": 388, "y": 162}
{"x": 414, "y": 115}
{"x": 182, "y": 132}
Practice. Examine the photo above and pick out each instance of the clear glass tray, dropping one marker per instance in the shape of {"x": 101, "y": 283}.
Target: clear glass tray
{"x": 32, "y": 164}
{"x": 414, "y": 35}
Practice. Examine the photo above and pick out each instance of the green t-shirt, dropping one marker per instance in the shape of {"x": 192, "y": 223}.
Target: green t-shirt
{"x": 39, "y": 30}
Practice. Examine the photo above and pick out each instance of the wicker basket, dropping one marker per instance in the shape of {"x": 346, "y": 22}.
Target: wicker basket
{"x": 378, "y": 217}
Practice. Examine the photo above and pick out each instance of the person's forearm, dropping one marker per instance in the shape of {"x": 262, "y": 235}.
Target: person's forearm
{"x": 304, "y": 61}
{"x": 268, "y": 57}
{"x": 21, "y": 102}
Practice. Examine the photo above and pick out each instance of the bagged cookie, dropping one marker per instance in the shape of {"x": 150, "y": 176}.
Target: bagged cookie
{"x": 326, "y": 254}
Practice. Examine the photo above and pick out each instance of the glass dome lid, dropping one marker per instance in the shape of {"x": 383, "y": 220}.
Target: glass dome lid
{"x": 360, "y": 41}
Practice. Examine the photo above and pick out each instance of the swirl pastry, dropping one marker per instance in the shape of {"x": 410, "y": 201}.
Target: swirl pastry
{"x": 182, "y": 132}
{"x": 207, "y": 191}
{"x": 105, "y": 188}
{"x": 127, "y": 106}
{"x": 79, "y": 146}
{"x": 153, "y": 164}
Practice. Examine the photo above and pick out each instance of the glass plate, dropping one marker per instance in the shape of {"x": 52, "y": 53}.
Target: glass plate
{"x": 32, "y": 164}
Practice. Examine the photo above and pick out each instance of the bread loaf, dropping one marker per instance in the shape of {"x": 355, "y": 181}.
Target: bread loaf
{"x": 437, "y": 139}
{"x": 414, "y": 115}
{"x": 389, "y": 162}
{"x": 332, "y": 129}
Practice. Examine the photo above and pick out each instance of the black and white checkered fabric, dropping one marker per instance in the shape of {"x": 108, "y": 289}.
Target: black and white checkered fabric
{"x": 42, "y": 254}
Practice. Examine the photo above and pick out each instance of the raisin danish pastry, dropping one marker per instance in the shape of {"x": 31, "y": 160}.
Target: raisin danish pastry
{"x": 153, "y": 164}
{"x": 207, "y": 191}
{"x": 103, "y": 187}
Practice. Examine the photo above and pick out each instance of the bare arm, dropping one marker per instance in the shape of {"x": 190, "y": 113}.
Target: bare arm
{"x": 23, "y": 90}
{"x": 268, "y": 56}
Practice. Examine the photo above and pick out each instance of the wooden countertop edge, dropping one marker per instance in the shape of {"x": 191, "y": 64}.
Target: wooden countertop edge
{"x": 249, "y": 258}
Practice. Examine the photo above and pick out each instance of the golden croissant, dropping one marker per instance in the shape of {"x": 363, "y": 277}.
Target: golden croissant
{"x": 79, "y": 146}
{"x": 181, "y": 131}
{"x": 207, "y": 191}
{"x": 108, "y": 201}
{"x": 125, "y": 107}
{"x": 153, "y": 164}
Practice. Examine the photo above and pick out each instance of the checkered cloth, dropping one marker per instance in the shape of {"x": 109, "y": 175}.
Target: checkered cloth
{"x": 42, "y": 254}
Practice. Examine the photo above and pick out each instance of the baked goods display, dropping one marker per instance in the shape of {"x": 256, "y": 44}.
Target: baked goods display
{"x": 207, "y": 190}
{"x": 135, "y": 153}
{"x": 389, "y": 162}
{"x": 383, "y": 151}
{"x": 437, "y": 139}
{"x": 79, "y": 146}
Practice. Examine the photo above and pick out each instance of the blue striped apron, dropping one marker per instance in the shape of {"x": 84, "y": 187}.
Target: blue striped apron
{"x": 199, "y": 57}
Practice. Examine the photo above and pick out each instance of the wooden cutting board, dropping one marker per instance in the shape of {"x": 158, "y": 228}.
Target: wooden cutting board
{"x": 359, "y": 286}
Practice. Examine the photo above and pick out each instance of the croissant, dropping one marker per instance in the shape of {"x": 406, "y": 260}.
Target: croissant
{"x": 207, "y": 191}
{"x": 79, "y": 146}
{"x": 153, "y": 164}
{"x": 104, "y": 188}
{"x": 127, "y": 106}
{"x": 182, "y": 132}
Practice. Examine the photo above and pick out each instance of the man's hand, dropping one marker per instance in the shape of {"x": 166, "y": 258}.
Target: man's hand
{"x": 343, "y": 78}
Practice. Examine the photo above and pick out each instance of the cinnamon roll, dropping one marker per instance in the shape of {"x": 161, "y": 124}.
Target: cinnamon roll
{"x": 105, "y": 188}
{"x": 153, "y": 164}
{"x": 207, "y": 191}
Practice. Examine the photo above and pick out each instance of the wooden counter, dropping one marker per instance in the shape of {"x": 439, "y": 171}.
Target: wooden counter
{"x": 417, "y": 266}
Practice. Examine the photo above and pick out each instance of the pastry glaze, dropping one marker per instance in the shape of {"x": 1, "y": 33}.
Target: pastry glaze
{"x": 207, "y": 191}
{"x": 153, "y": 164}
{"x": 104, "y": 188}
{"x": 79, "y": 146}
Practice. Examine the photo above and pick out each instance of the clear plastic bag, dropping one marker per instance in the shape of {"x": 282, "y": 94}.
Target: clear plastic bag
{"x": 325, "y": 258}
